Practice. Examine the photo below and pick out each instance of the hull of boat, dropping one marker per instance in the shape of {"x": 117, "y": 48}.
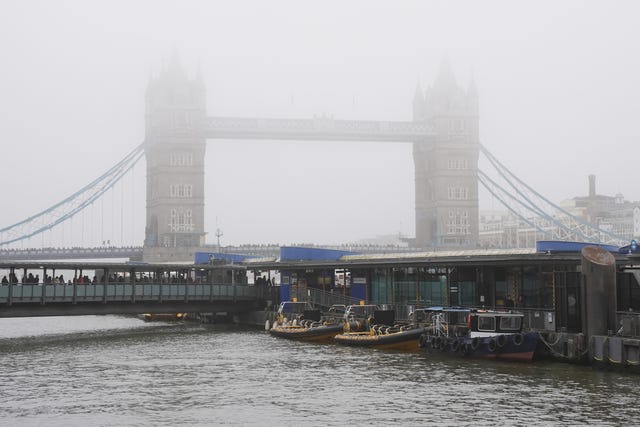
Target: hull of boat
{"x": 405, "y": 340}
{"x": 323, "y": 333}
{"x": 511, "y": 347}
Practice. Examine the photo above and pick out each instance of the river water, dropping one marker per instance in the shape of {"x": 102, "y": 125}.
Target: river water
{"x": 111, "y": 370}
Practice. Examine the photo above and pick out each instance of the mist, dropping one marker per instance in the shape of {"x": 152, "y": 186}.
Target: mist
{"x": 557, "y": 82}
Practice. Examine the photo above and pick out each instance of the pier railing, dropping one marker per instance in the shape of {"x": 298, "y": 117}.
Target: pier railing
{"x": 325, "y": 299}
{"x": 38, "y": 297}
{"x": 630, "y": 323}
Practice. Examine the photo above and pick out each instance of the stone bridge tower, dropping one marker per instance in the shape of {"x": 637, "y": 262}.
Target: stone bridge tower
{"x": 446, "y": 168}
{"x": 174, "y": 149}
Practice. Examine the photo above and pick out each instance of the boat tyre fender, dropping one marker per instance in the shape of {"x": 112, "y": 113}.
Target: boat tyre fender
{"x": 491, "y": 344}
{"x": 501, "y": 340}
{"x": 518, "y": 339}
{"x": 455, "y": 345}
{"x": 436, "y": 343}
{"x": 475, "y": 342}
{"x": 422, "y": 341}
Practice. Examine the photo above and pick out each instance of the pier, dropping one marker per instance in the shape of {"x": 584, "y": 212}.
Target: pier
{"x": 586, "y": 311}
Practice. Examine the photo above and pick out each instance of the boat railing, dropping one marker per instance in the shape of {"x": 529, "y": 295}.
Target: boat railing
{"x": 440, "y": 325}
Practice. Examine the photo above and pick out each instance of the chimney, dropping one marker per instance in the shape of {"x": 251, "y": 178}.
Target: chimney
{"x": 592, "y": 186}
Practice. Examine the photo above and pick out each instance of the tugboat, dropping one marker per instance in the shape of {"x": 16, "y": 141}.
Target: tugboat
{"x": 378, "y": 330}
{"x": 488, "y": 334}
{"x": 298, "y": 321}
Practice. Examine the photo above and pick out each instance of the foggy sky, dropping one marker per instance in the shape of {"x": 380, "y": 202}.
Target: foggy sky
{"x": 558, "y": 85}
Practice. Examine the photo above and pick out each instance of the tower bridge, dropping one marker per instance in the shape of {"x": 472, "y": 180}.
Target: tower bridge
{"x": 444, "y": 134}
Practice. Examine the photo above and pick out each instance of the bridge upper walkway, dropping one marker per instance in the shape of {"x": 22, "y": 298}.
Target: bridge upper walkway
{"x": 318, "y": 129}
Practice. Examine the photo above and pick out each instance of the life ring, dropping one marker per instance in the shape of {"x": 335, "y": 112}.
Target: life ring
{"x": 518, "y": 339}
{"x": 475, "y": 342}
{"x": 501, "y": 340}
{"x": 491, "y": 344}
{"x": 455, "y": 345}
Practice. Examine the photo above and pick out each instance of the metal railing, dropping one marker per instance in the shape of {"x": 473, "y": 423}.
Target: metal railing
{"x": 324, "y": 299}
{"x": 125, "y": 292}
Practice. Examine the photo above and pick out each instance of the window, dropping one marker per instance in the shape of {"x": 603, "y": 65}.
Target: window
{"x": 457, "y": 164}
{"x": 181, "y": 159}
{"x": 486, "y": 323}
{"x": 458, "y": 222}
{"x": 458, "y": 193}
{"x": 510, "y": 323}
{"x": 181, "y": 221}
{"x": 181, "y": 190}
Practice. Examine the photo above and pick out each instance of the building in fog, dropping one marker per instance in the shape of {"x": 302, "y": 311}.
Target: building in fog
{"x": 610, "y": 213}
{"x": 446, "y": 168}
{"x": 175, "y": 148}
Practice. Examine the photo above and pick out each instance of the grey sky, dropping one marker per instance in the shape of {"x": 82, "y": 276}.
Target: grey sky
{"x": 558, "y": 83}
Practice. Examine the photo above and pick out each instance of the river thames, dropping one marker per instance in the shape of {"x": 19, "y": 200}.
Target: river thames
{"x": 112, "y": 370}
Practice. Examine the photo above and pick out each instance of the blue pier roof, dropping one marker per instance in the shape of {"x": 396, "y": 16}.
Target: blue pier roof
{"x": 298, "y": 253}
{"x": 554, "y": 246}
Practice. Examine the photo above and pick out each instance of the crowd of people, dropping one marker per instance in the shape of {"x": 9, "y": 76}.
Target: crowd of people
{"x": 30, "y": 279}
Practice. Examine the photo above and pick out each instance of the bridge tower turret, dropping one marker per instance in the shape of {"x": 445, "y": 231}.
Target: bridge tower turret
{"x": 174, "y": 149}
{"x": 446, "y": 167}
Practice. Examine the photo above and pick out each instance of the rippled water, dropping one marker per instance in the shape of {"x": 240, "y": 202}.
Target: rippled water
{"x": 108, "y": 370}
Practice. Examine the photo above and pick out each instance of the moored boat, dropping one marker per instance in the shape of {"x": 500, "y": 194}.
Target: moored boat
{"x": 162, "y": 317}
{"x": 490, "y": 334}
{"x": 378, "y": 330}
{"x": 297, "y": 321}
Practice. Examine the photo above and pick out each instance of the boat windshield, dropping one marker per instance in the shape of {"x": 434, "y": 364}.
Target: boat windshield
{"x": 499, "y": 322}
{"x": 486, "y": 323}
{"x": 510, "y": 323}
{"x": 290, "y": 307}
{"x": 360, "y": 311}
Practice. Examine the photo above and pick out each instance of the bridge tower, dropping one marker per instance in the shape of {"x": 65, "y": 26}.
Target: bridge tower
{"x": 446, "y": 167}
{"x": 174, "y": 149}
